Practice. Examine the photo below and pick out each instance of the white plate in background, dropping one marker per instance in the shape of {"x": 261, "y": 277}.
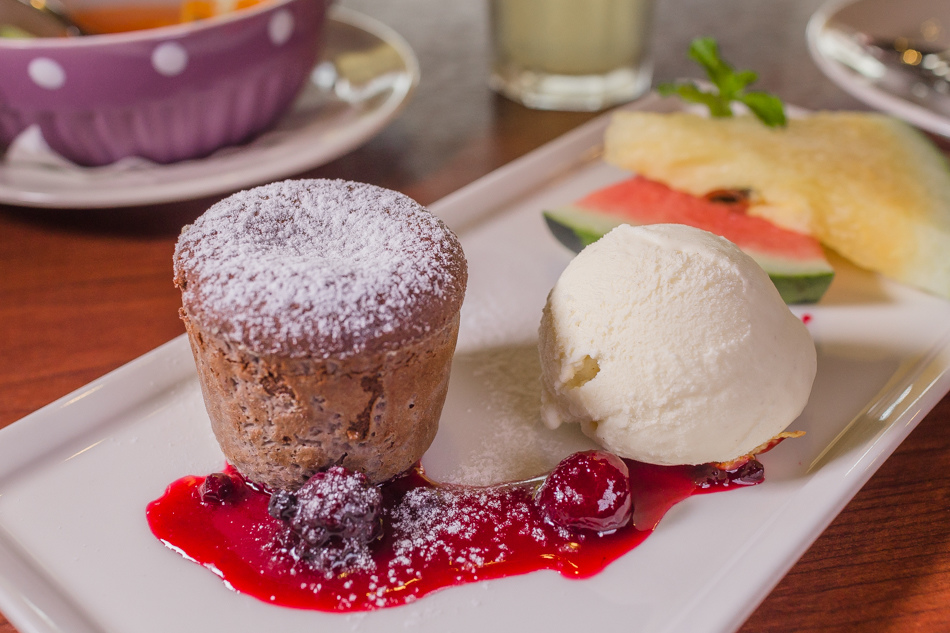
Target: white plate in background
{"x": 831, "y": 35}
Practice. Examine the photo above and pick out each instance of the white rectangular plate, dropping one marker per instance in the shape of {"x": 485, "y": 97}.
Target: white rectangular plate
{"x": 75, "y": 477}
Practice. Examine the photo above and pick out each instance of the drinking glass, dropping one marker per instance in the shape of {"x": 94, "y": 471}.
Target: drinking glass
{"x": 571, "y": 54}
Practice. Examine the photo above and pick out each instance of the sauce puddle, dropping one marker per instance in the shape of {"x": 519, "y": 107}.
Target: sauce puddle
{"x": 434, "y": 536}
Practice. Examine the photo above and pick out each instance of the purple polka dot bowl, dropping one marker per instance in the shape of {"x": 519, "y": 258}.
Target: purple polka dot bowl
{"x": 165, "y": 94}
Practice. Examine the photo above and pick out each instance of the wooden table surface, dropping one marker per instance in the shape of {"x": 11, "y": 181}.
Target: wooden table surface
{"x": 83, "y": 292}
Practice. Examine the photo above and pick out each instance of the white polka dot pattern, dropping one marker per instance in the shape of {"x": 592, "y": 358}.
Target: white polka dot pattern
{"x": 281, "y": 27}
{"x": 169, "y": 59}
{"x": 166, "y": 95}
{"x": 46, "y": 73}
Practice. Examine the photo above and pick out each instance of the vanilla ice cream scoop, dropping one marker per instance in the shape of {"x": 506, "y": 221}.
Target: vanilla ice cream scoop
{"x": 669, "y": 345}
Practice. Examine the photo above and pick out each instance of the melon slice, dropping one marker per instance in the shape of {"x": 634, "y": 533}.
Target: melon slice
{"x": 866, "y": 185}
{"x": 795, "y": 262}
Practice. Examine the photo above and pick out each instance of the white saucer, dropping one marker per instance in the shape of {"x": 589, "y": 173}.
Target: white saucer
{"x": 366, "y": 75}
{"x": 830, "y": 41}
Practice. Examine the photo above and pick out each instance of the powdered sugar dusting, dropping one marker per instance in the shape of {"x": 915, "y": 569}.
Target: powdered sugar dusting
{"x": 495, "y": 431}
{"x": 319, "y": 267}
{"x": 609, "y": 498}
{"x": 458, "y": 527}
{"x": 465, "y": 532}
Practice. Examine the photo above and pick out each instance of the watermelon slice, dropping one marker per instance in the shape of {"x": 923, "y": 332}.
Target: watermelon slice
{"x": 795, "y": 262}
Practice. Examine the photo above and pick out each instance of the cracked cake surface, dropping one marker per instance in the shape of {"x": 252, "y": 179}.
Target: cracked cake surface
{"x": 319, "y": 268}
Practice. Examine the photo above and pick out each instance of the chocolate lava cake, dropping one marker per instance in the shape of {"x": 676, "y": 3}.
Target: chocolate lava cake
{"x": 323, "y": 316}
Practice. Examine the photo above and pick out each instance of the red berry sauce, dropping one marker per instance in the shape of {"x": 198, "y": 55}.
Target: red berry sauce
{"x": 434, "y": 536}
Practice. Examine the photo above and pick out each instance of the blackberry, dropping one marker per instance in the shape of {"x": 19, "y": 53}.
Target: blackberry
{"x": 335, "y": 516}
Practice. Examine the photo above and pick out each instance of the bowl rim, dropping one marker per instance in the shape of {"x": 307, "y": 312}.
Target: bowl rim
{"x": 171, "y": 31}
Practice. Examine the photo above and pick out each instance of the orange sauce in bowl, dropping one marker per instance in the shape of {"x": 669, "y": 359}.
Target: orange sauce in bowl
{"x": 119, "y": 19}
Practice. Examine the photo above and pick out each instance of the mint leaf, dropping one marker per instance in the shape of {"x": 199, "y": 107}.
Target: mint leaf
{"x": 691, "y": 92}
{"x": 729, "y": 85}
{"x": 768, "y": 108}
{"x": 734, "y": 83}
{"x": 705, "y": 52}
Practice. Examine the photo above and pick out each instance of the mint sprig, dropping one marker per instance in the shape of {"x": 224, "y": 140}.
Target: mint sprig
{"x": 728, "y": 85}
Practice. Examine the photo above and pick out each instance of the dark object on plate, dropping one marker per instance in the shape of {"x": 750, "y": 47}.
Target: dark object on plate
{"x": 749, "y": 473}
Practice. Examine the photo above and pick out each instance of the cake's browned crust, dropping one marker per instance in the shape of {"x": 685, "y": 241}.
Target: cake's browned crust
{"x": 298, "y": 375}
{"x": 280, "y": 420}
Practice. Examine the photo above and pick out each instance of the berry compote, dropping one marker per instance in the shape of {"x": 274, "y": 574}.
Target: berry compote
{"x": 418, "y": 536}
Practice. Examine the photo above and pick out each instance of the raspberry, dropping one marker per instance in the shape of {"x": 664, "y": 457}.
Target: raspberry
{"x": 217, "y": 488}
{"x": 335, "y": 515}
{"x": 588, "y": 490}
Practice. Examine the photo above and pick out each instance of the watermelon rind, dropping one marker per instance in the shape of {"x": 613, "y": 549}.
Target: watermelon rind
{"x": 801, "y": 288}
{"x": 796, "y": 281}
{"x": 574, "y": 236}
